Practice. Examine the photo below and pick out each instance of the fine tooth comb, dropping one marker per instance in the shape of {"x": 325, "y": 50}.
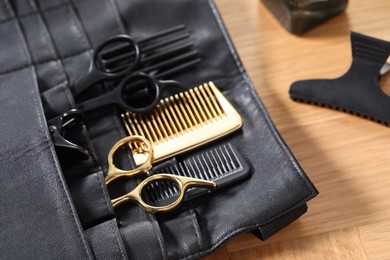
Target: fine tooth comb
{"x": 184, "y": 121}
{"x": 221, "y": 164}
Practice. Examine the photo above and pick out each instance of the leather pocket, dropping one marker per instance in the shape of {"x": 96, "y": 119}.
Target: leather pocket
{"x": 33, "y": 192}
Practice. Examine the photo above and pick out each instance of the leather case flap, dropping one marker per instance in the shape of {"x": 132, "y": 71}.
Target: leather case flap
{"x": 38, "y": 219}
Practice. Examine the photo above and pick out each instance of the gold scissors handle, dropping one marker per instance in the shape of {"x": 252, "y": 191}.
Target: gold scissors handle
{"x": 182, "y": 183}
{"x": 146, "y": 147}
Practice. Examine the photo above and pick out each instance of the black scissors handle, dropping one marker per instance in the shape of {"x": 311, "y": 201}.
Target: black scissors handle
{"x": 131, "y": 86}
{"x": 141, "y": 97}
{"x": 114, "y": 46}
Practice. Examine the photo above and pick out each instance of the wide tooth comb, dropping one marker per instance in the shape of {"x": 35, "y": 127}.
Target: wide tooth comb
{"x": 144, "y": 43}
{"x": 171, "y": 50}
{"x": 184, "y": 121}
{"x": 175, "y": 61}
{"x": 170, "y": 43}
{"x": 121, "y": 55}
{"x": 221, "y": 164}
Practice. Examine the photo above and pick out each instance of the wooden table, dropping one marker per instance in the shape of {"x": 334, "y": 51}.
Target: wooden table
{"x": 346, "y": 157}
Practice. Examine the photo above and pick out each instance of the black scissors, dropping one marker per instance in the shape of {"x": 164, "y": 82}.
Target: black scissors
{"x": 145, "y": 148}
{"x": 138, "y": 93}
{"x": 112, "y": 47}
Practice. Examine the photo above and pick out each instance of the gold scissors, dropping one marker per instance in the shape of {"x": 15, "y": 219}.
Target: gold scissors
{"x": 145, "y": 148}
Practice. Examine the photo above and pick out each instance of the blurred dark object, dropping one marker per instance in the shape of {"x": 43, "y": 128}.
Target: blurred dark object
{"x": 299, "y": 16}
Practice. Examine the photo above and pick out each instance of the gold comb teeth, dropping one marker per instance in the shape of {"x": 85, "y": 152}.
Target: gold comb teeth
{"x": 183, "y": 121}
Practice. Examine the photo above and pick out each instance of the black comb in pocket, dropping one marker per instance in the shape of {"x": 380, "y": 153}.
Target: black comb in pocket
{"x": 221, "y": 164}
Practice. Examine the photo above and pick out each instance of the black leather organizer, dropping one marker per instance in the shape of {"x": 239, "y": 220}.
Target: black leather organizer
{"x": 52, "y": 208}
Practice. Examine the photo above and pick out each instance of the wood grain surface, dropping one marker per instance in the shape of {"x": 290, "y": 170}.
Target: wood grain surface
{"x": 346, "y": 157}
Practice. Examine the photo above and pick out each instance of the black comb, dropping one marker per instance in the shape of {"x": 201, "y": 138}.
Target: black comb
{"x": 163, "y": 54}
{"x": 221, "y": 164}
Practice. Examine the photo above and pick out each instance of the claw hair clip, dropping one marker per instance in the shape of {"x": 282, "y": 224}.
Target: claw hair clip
{"x": 356, "y": 92}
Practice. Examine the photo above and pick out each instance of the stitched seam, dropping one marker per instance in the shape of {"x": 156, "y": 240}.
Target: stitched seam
{"x": 116, "y": 235}
{"x": 154, "y": 223}
{"x": 57, "y": 170}
{"x": 192, "y": 211}
{"x": 119, "y": 245}
{"x": 106, "y": 199}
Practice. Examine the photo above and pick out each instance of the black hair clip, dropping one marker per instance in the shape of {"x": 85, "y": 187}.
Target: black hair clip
{"x": 57, "y": 127}
{"x": 356, "y": 92}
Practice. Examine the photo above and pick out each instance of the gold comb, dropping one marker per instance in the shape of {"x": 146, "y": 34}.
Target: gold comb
{"x": 183, "y": 122}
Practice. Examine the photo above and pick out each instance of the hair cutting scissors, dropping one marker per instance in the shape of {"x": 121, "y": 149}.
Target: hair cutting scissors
{"x": 145, "y": 147}
{"x": 97, "y": 72}
{"x": 137, "y": 93}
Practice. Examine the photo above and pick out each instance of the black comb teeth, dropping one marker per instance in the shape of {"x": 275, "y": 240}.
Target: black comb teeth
{"x": 221, "y": 164}
{"x": 357, "y": 92}
{"x": 162, "y": 54}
